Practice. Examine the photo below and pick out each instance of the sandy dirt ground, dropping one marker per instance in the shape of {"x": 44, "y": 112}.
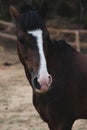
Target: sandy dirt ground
{"x": 16, "y": 108}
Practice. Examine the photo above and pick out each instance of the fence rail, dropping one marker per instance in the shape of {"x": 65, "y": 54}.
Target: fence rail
{"x": 77, "y": 43}
{"x": 6, "y": 23}
{"x": 5, "y": 35}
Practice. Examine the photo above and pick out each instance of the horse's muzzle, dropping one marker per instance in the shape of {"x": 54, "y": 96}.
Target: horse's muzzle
{"x": 42, "y": 84}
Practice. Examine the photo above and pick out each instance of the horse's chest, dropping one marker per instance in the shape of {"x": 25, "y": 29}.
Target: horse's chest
{"x": 47, "y": 110}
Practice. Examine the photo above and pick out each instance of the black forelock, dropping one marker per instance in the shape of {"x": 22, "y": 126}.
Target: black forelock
{"x": 30, "y": 19}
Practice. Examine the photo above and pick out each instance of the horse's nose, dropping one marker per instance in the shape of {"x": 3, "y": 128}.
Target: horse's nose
{"x": 42, "y": 83}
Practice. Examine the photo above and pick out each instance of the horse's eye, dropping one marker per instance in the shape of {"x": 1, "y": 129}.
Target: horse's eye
{"x": 21, "y": 40}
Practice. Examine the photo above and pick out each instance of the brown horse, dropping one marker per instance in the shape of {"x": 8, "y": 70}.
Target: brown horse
{"x": 56, "y": 72}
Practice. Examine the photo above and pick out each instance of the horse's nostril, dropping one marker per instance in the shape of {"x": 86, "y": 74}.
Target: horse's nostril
{"x": 36, "y": 83}
{"x": 50, "y": 80}
{"x": 49, "y": 76}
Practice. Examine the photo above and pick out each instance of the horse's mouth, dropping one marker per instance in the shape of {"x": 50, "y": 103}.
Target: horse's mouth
{"x": 42, "y": 87}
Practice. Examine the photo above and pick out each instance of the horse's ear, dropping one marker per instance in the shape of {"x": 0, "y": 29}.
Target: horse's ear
{"x": 14, "y": 13}
{"x": 44, "y": 8}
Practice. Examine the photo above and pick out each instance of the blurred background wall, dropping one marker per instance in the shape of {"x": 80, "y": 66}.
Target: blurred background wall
{"x": 73, "y": 10}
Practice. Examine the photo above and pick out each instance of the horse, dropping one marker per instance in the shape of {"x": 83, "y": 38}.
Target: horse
{"x": 56, "y": 72}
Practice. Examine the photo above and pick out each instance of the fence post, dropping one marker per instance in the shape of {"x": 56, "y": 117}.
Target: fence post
{"x": 77, "y": 40}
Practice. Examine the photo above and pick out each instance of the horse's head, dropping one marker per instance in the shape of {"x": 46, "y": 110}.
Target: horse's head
{"x": 32, "y": 36}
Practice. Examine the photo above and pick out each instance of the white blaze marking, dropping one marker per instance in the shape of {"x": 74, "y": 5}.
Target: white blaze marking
{"x": 39, "y": 39}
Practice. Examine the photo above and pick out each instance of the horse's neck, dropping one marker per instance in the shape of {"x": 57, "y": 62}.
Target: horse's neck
{"x": 59, "y": 48}
{"x": 59, "y": 53}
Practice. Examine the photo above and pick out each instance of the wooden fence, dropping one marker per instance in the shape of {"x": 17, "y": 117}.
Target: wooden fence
{"x": 77, "y": 43}
{"x": 6, "y": 35}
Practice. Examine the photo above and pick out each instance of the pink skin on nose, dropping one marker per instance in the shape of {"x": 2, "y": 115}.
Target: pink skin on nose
{"x": 45, "y": 82}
